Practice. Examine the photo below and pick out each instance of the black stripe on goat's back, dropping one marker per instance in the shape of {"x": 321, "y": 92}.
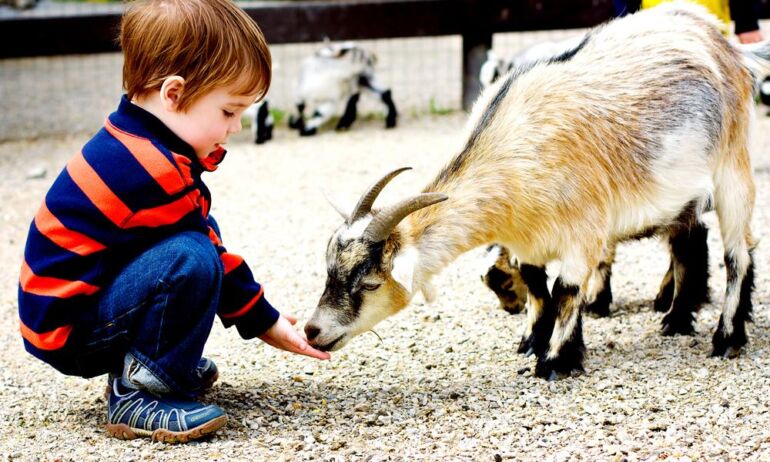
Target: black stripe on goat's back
{"x": 455, "y": 165}
{"x": 569, "y": 54}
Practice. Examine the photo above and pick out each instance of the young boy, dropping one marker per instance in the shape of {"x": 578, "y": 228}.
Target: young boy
{"x": 124, "y": 268}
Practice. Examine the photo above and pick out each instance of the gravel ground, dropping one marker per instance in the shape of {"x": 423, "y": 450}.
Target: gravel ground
{"x": 445, "y": 382}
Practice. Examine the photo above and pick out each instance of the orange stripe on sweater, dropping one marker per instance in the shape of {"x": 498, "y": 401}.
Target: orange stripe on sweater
{"x": 52, "y": 287}
{"x": 97, "y": 191}
{"x": 165, "y": 214}
{"x": 151, "y": 159}
{"x": 213, "y": 237}
{"x": 230, "y": 261}
{"x": 50, "y": 227}
{"x": 246, "y": 307}
{"x": 48, "y": 341}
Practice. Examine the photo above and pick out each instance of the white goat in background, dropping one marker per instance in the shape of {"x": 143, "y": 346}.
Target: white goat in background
{"x": 495, "y": 66}
{"x": 336, "y": 73}
{"x": 638, "y": 131}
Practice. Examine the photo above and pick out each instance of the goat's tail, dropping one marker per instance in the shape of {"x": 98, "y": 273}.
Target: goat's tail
{"x": 757, "y": 58}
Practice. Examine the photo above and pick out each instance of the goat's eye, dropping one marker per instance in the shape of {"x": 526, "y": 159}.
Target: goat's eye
{"x": 370, "y": 286}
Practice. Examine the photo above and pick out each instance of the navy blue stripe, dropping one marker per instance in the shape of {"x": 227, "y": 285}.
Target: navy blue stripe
{"x": 122, "y": 173}
{"x": 44, "y": 314}
{"x": 46, "y": 258}
{"x": 74, "y": 209}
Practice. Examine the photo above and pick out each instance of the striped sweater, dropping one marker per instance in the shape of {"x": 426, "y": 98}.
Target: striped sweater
{"x": 134, "y": 183}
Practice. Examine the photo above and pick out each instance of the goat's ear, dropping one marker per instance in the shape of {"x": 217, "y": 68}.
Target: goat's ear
{"x": 403, "y": 268}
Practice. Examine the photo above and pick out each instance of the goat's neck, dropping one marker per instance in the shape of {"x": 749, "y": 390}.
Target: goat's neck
{"x": 440, "y": 234}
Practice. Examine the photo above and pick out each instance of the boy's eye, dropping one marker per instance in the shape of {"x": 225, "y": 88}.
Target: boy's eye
{"x": 228, "y": 114}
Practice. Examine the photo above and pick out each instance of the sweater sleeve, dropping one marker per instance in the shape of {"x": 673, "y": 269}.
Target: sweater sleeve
{"x": 242, "y": 300}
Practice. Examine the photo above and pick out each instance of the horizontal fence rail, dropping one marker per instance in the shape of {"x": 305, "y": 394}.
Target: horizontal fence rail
{"x": 62, "y": 28}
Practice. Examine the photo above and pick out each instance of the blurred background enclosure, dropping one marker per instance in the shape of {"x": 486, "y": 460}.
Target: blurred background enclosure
{"x": 60, "y": 68}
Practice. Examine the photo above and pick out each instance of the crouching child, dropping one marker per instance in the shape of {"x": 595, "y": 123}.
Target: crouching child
{"x": 124, "y": 269}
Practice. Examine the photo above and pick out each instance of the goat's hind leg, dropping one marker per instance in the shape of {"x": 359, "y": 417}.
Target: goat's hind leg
{"x": 368, "y": 81}
{"x": 689, "y": 260}
{"x": 734, "y": 200}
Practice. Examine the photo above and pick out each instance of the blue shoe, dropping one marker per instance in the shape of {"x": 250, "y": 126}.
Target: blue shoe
{"x": 138, "y": 413}
{"x": 207, "y": 372}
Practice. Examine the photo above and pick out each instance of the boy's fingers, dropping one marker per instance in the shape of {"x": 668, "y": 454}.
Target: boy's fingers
{"x": 291, "y": 318}
{"x": 304, "y": 348}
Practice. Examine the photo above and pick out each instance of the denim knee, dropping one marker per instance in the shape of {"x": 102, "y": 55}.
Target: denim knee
{"x": 193, "y": 263}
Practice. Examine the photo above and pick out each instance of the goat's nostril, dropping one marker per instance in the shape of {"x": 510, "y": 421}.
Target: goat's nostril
{"x": 311, "y": 331}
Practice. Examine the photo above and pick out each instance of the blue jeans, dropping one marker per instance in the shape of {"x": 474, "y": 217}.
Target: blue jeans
{"x": 159, "y": 310}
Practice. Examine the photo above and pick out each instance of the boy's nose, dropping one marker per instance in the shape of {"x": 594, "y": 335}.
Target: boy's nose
{"x": 236, "y": 127}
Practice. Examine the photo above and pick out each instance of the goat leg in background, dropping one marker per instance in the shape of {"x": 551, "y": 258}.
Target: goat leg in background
{"x": 298, "y": 122}
{"x": 504, "y": 279}
{"x": 320, "y": 116}
{"x": 367, "y": 81}
{"x": 263, "y": 124}
{"x": 351, "y": 112}
{"x": 689, "y": 255}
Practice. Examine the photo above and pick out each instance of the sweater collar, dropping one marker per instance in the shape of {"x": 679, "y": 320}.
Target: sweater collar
{"x": 133, "y": 119}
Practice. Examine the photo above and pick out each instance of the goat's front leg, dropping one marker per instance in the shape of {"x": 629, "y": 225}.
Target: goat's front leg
{"x": 322, "y": 114}
{"x": 540, "y": 310}
{"x": 350, "y": 114}
{"x": 565, "y": 350}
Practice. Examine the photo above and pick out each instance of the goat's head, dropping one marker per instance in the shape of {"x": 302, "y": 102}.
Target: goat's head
{"x": 364, "y": 283}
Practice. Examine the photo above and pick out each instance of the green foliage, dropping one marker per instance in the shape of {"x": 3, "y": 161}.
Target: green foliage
{"x": 278, "y": 115}
{"x": 434, "y": 109}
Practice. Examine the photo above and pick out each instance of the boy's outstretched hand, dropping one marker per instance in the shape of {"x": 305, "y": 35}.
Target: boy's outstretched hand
{"x": 282, "y": 335}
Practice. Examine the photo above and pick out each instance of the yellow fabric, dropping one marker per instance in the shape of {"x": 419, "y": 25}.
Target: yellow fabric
{"x": 719, "y": 8}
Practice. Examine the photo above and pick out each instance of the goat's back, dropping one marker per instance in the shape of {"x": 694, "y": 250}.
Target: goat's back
{"x": 618, "y": 135}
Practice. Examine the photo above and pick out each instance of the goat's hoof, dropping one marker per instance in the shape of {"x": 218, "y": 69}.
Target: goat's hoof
{"x": 729, "y": 353}
{"x": 526, "y": 346}
{"x": 676, "y": 325}
{"x": 296, "y": 123}
{"x": 557, "y": 368}
{"x": 390, "y": 123}
{"x": 728, "y": 347}
{"x": 308, "y": 132}
{"x": 598, "y": 309}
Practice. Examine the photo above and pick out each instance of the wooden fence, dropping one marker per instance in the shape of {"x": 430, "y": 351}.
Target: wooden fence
{"x": 93, "y": 30}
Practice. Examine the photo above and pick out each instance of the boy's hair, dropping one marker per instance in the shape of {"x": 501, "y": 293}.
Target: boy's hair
{"x": 209, "y": 43}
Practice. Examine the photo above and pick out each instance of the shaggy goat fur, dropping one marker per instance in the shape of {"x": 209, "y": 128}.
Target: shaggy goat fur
{"x": 639, "y": 131}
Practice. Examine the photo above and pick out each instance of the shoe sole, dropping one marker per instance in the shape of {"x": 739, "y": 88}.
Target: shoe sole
{"x": 124, "y": 432}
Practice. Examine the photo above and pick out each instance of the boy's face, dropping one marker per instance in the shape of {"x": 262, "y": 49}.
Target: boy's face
{"x": 209, "y": 121}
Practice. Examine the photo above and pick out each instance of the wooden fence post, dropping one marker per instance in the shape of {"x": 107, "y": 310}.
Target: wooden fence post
{"x": 476, "y": 44}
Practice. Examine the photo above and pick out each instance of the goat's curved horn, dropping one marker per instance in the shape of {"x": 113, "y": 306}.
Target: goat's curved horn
{"x": 387, "y": 219}
{"x": 364, "y": 205}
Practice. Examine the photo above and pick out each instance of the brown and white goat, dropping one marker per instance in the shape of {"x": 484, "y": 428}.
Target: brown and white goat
{"x": 638, "y": 130}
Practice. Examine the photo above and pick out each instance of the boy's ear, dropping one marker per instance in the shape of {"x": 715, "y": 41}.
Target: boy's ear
{"x": 170, "y": 92}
